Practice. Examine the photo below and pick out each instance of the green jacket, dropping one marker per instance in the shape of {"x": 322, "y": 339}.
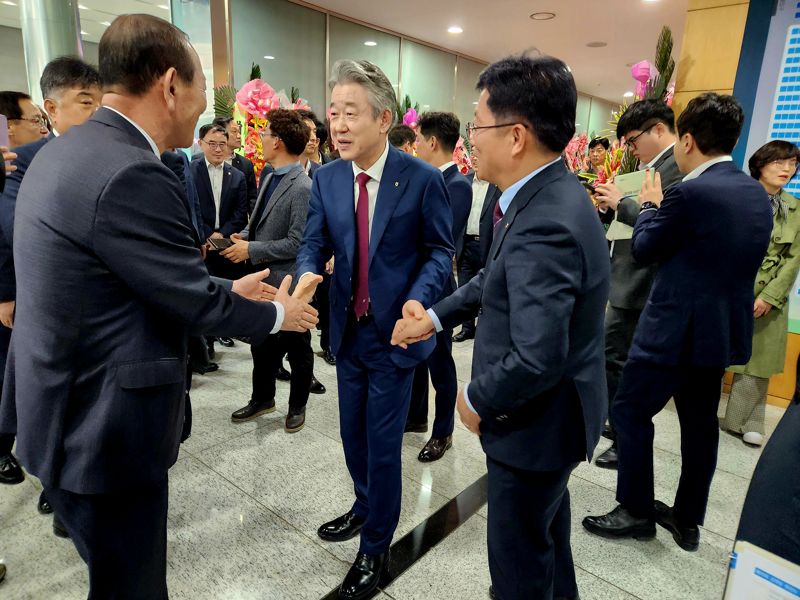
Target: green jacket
{"x": 773, "y": 284}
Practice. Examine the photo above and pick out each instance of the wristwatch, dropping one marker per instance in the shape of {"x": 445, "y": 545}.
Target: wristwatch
{"x": 649, "y": 205}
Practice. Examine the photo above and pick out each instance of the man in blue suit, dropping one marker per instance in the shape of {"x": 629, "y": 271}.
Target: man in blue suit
{"x": 386, "y": 219}
{"x": 437, "y": 136}
{"x": 708, "y": 236}
{"x": 95, "y": 381}
{"x": 537, "y": 396}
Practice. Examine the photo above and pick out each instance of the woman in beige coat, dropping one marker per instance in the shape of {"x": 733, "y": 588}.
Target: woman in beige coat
{"x": 774, "y": 164}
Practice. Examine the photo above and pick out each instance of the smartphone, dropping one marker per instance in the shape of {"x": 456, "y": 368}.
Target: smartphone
{"x": 220, "y": 243}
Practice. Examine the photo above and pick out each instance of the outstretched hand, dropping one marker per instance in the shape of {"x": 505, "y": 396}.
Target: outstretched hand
{"x": 415, "y": 326}
{"x": 253, "y": 288}
{"x": 306, "y": 287}
{"x": 298, "y": 315}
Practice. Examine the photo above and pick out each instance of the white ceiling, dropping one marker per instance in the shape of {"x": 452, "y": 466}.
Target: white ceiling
{"x": 496, "y": 28}
{"x": 94, "y": 14}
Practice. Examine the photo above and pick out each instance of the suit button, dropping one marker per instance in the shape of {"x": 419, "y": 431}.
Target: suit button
{"x": 480, "y": 311}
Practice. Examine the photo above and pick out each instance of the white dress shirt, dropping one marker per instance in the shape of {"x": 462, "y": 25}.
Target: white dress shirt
{"x": 215, "y": 174}
{"x": 479, "y": 190}
{"x": 375, "y": 172}
{"x": 709, "y": 163}
{"x": 655, "y": 159}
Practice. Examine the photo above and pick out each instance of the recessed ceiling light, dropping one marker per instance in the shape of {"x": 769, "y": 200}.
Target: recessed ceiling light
{"x": 83, "y": 32}
{"x": 543, "y": 16}
{"x": 597, "y": 44}
{"x": 627, "y": 95}
{"x": 455, "y": 29}
{"x": 475, "y": 103}
{"x": 82, "y": 7}
{"x": 8, "y": 3}
{"x": 164, "y": 6}
{"x": 268, "y": 57}
{"x": 106, "y": 23}
{"x": 370, "y": 43}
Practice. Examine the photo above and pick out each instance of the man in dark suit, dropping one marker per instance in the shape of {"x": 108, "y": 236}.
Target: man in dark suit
{"x": 476, "y": 239}
{"x": 311, "y": 157}
{"x": 708, "y": 235}
{"x": 386, "y": 219}
{"x": 271, "y": 240}
{"x": 648, "y": 128}
{"x": 238, "y": 161}
{"x": 437, "y": 136}
{"x": 95, "y": 381}
{"x": 537, "y": 396}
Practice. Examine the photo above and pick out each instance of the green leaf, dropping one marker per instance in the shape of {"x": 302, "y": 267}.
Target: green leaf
{"x": 224, "y": 100}
{"x": 255, "y": 72}
{"x": 657, "y": 88}
{"x": 294, "y": 94}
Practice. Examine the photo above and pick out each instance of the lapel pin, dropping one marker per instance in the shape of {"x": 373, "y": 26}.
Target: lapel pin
{"x": 396, "y": 184}
{"x": 506, "y": 225}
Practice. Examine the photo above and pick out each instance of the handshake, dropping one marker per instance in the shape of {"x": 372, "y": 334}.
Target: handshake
{"x": 298, "y": 314}
{"x": 415, "y": 326}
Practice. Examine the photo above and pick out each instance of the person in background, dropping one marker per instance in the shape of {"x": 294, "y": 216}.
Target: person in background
{"x": 238, "y": 161}
{"x": 311, "y": 158}
{"x": 596, "y": 158}
{"x": 773, "y": 165}
{"x": 403, "y": 138}
{"x": 26, "y": 124}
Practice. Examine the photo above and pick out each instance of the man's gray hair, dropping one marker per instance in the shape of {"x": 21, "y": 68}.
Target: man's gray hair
{"x": 379, "y": 88}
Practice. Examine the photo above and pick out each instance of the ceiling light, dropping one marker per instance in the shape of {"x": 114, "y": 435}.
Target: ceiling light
{"x": 370, "y": 43}
{"x": 597, "y": 44}
{"x": 455, "y": 29}
{"x": 8, "y": 3}
{"x": 83, "y": 32}
{"x": 164, "y": 6}
{"x": 82, "y": 7}
{"x": 627, "y": 95}
{"x": 543, "y": 16}
{"x": 106, "y": 23}
{"x": 475, "y": 103}
{"x": 268, "y": 57}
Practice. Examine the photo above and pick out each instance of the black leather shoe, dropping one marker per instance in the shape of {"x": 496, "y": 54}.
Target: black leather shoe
{"x": 619, "y": 523}
{"x": 415, "y": 427}
{"x": 295, "y": 420}
{"x": 43, "y": 505}
{"x": 58, "y": 528}
{"x": 463, "y": 336}
{"x": 252, "y": 410}
{"x": 328, "y": 357}
{"x": 435, "y": 449}
{"x": 342, "y": 528}
{"x": 225, "y": 341}
{"x": 283, "y": 374}
{"x": 316, "y": 386}
{"x": 686, "y": 536}
{"x": 211, "y": 351}
{"x": 364, "y": 576}
{"x": 10, "y": 471}
{"x": 608, "y": 433}
{"x": 208, "y": 367}
{"x": 608, "y": 459}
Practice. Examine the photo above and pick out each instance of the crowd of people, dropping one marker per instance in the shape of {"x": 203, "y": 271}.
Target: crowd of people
{"x": 158, "y": 254}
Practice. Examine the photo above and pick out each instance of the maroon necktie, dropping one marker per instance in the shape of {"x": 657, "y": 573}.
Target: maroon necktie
{"x": 497, "y": 216}
{"x": 361, "y": 297}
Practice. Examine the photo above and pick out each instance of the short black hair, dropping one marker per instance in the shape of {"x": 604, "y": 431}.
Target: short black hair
{"x": 644, "y": 114}
{"x": 600, "y": 141}
{"x": 291, "y": 128}
{"x": 222, "y": 121}
{"x": 136, "y": 50}
{"x": 322, "y": 132}
{"x": 9, "y": 104}
{"x": 67, "y": 72}
{"x": 443, "y": 125}
{"x": 769, "y": 152}
{"x": 715, "y": 122}
{"x": 401, "y": 134}
{"x": 540, "y": 92}
{"x": 212, "y": 127}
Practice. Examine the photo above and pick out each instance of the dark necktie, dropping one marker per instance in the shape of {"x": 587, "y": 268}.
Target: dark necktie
{"x": 361, "y": 296}
{"x": 497, "y": 216}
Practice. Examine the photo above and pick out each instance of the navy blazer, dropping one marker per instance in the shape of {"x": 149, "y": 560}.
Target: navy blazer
{"x": 708, "y": 238}
{"x": 179, "y": 164}
{"x": 248, "y": 170}
{"x": 233, "y": 207}
{"x": 95, "y": 382}
{"x": 486, "y": 226}
{"x": 460, "y": 192}
{"x": 538, "y": 367}
{"x": 8, "y": 203}
{"x": 410, "y": 249}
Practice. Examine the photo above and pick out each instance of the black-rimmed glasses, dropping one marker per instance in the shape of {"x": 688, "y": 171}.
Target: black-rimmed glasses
{"x": 472, "y": 128}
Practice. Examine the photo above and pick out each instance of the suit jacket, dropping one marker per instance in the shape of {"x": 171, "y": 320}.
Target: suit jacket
{"x": 486, "y": 227}
{"x": 8, "y": 203}
{"x": 179, "y": 164}
{"x": 99, "y": 368}
{"x": 246, "y": 167}
{"x": 313, "y": 168}
{"x": 410, "y": 248}
{"x": 275, "y": 238}
{"x": 538, "y": 368}
{"x": 233, "y": 199}
{"x": 631, "y": 281}
{"x": 708, "y": 239}
{"x": 459, "y": 190}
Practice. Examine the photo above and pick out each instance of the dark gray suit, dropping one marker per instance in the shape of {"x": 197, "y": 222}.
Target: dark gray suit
{"x": 109, "y": 286}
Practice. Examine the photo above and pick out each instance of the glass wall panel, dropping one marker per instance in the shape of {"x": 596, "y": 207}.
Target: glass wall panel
{"x": 466, "y": 94}
{"x": 293, "y": 35}
{"x": 428, "y": 77}
{"x": 193, "y": 17}
{"x": 351, "y": 40}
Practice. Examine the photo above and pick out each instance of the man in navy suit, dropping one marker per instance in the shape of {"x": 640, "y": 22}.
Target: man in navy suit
{"x": 386, "y": 219}
{"x": 236, "y": 160}
{"x": 537, "y": 396}
{"x": 95, "y": 381}
{"x": 708, "y": 235}
{"x": 437, "y": 136}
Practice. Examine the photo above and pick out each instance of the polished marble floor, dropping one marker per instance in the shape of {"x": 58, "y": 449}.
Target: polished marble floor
{"x": 246, "y": 500}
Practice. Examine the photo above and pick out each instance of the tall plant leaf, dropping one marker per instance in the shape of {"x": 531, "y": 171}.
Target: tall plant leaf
{"x": 224, "y": 100}
{"x": 255, "y": 72}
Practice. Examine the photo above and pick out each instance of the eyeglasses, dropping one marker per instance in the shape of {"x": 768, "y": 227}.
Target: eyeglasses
{"x": 39, "y": 121}
{"x": 785, "y": 163}
{"x": 631, "y": 143}
{"x": 472, "y": 128}
{"x": 269, "y": 134}
{"x": 216, "y": 145}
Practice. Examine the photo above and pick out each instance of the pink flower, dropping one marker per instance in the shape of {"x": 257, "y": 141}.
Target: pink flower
{"x": 410, "y": 118}
{"x": 257, "y": 98}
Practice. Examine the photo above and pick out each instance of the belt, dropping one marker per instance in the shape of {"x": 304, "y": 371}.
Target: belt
{"x": 472, "y": 237}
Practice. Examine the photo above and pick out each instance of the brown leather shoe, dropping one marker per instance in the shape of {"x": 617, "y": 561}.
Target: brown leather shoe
{"x": 435, "y": 449}
{"x": 295, "y": 420}
{"x": 252, "y": 410}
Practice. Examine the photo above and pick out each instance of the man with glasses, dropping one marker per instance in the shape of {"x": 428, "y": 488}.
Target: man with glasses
{"x": 648, "y": 129}
{"x": 25, "y": 121}
{"x": 237, "y": 160}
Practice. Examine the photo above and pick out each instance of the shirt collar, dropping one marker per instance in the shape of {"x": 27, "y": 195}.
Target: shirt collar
{"x": 446, "y": 166}
{"x": 512, "y": 190}
{"x": 706, "y": 165}
{"x": 375, "y": 171}
{"x": 286, "y": 168}
{"x": 150, "y": 141}
{"x": 658, "y": 156}
{"x": 210, "y": 166}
